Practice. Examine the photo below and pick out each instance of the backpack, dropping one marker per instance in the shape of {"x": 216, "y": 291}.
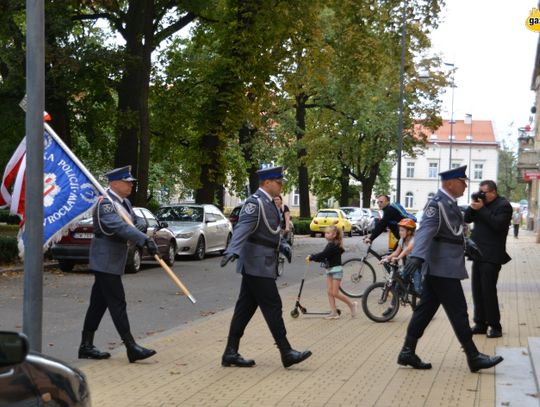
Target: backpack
{"x": 403, "y": 211}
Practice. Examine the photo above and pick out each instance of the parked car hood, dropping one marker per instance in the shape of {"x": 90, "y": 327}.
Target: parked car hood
{"x": 176, "y": 227}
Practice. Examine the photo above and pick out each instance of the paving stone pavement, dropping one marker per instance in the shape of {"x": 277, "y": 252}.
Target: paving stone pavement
{"x": 353, "y": 362}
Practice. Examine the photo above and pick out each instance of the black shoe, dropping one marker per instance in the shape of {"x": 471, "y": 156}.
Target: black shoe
{"x": 479, "y": 329}
{"x": 136, "y": 352}
{"x": 232, "y": 358}
{"x": 494, "y": 332}
{"x": 481, "y": 361}
{"x": 387, "y": 311}
{"x": 407, "y": 357}
{"x": 291, "y": 357}
{"x": 87, "y": 351}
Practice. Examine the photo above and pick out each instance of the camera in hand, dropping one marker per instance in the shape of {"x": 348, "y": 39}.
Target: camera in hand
{"x": 478, "y": 196}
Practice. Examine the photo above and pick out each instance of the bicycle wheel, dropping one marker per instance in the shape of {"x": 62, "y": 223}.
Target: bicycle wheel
{"x": 358, "y": 274}
{"x": 380, "y": 302}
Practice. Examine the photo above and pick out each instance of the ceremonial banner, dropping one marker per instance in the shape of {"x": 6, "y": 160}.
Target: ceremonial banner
{"x": 68, "y": 194}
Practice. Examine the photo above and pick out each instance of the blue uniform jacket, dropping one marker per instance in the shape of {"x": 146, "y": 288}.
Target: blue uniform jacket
{"x": 108, "y": 249}
{"x": 253, "y": 241}
{"x": 438, "y": 245}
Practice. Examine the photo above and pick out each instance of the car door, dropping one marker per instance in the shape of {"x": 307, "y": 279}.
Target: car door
{"x": 211, "y": 229}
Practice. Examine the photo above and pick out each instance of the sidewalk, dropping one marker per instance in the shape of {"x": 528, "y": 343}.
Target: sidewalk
{"x": 353, "y": 362}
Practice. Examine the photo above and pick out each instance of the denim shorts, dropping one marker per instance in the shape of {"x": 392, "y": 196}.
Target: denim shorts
{"x": 335, "y": 272}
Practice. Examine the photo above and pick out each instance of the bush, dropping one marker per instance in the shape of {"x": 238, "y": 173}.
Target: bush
{"x": 301, "y": 226}
{"x": 8, "y": 249}
{"x": 6, "y": 217}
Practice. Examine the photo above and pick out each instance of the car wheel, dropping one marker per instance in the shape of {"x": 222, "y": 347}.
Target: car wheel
{"x": 229, "y": 237}
{"x": 171, "y": 254}
{"x": 350, "y": 233}
{"x": 312, "y": 234}
{"x": 200, "y": 250}
{"x": 65, "y": 265}
{"x": 133, "y": 264}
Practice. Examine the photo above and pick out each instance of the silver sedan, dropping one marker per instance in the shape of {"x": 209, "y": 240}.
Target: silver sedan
{"x": 198, "y": 229}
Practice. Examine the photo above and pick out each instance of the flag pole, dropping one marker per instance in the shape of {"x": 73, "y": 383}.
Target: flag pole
{"x": 126, "y": 219}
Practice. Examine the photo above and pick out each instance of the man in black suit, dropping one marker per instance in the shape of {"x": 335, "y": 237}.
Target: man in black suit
{"x": 491, "y": 215}
{"x": 390, "y": 219}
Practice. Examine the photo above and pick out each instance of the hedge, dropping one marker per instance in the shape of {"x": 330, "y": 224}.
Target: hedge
{"x": 6, "y": 217}
{"x": 9, "y": 251}
{"x": 301, "y": 226}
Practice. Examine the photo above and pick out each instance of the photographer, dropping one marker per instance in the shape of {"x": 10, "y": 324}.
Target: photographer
{"x": 491, "y": 215}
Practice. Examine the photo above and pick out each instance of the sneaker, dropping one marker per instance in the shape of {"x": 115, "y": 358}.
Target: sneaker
{"x": 332, "y": 315}
{"x": 354, "y": 309}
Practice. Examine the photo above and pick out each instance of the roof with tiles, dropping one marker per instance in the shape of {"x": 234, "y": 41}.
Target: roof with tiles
{"x": 481, "y": 130}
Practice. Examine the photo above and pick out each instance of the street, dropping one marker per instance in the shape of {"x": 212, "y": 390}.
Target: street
{"x": 154, "y": 302}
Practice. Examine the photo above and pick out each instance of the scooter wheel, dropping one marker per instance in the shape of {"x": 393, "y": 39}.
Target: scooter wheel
{"x": 295, "y": 313}
{"x": 303, "y": 309}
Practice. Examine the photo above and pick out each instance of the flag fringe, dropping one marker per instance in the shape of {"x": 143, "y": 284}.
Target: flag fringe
{"x": 56, "y": 236}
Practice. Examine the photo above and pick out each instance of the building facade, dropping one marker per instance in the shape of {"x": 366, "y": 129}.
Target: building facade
{"x": 471, "y": 142}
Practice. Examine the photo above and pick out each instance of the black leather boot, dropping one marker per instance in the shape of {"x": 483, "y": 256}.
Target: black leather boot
{"x": 289, "y": 356}
{"x": 408, "y": 357}
{"x": 134, "y": 351}
{"x": 87, "y": 350}
{"x": 477, "y": 360}
{"x": 231, "y": 357}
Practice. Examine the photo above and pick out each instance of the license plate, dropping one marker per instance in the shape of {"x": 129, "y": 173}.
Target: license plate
{"x": 83, "y": 235}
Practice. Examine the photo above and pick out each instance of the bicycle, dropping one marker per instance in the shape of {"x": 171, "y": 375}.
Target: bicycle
{"x": 359, "y": 273}
{"x": 381, "y": 300}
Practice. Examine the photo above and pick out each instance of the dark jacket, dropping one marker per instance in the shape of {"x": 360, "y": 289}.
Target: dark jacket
{"x": 391, "y": 217}
{"x": 331, "y": 255}
{"x": 491, "y": 223}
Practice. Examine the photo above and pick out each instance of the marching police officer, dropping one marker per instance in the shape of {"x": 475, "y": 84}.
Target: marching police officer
{"x": 108, "y": 255}
{"x": 255, "y": 242}
{"x": 439, "y": 250}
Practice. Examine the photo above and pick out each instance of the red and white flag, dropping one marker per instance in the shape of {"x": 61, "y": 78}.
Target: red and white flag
{"x": 14, "y": 181}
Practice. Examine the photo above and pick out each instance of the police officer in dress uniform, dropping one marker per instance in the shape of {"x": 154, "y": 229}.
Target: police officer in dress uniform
{"x": 255, "y": 242}
{"x": 108, "y": 256}
{"x": 439, "y": 250}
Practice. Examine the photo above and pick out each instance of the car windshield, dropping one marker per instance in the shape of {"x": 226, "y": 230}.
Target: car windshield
{"x": 181, "y": 214}
{"x": 327, "y": 214}
{"x": 348, "y": 211}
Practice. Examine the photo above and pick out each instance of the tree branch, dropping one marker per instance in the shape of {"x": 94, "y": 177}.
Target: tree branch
{"x": 181, "y": 23}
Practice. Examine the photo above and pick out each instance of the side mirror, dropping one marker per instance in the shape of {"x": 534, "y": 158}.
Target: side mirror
{"x": 13, "y": 348}
{"x": 163, "y": 225}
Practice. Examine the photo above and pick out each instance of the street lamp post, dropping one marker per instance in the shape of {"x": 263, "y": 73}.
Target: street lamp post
{"x": 468, "y": 120}
{"x": 401, "y": 97}
{"x": 451, "y": 114}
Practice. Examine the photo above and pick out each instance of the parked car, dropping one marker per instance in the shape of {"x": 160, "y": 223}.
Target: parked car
{"x": 357, "y": 217}
{"x": 74, "y": 248}
{"x": 371, "y": 218}
{"x": 235, "y": 214}
{"x": 328, "y": 217}
{"x": 198, "y": 229}
{"x": 33, "y": 379}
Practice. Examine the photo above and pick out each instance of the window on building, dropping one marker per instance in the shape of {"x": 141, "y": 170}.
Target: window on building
{"x": 410, "y": 169}
{"x": 433, "y": 170}
{"x": 478, "y": 171}
{"x": 455, "y": 165}
{"x": 296, "y": 197}
{"x": 409, "y": 200}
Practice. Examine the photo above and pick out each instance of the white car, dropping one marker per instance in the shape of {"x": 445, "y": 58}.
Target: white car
{"x": 198, "y": 229}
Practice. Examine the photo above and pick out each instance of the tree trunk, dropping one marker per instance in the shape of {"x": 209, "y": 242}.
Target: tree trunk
{"x": 367, "y": 186}
{"x": 209, "y": 170}
{"x": 303, "y": 178}
{"x": 132, "y": 123}
{"x": 245, "y": 135}
{"x": 344, "y": 184}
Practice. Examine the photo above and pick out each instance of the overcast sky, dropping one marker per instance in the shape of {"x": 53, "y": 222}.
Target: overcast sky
{"x": 494, "y": 53}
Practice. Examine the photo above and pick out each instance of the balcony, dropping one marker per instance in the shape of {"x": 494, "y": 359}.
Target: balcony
{"x": 528, "y": 160}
